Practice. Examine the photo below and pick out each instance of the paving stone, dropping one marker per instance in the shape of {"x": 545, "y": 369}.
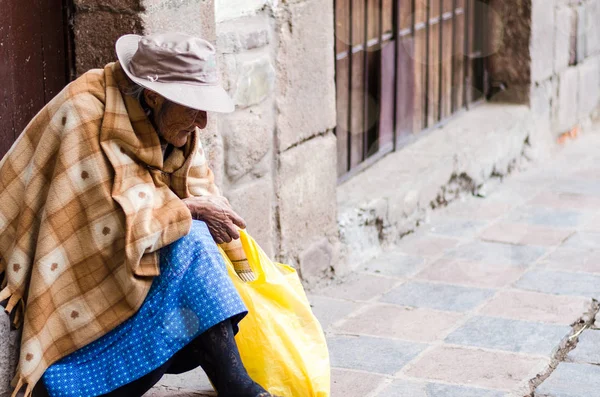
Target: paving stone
{"x": 476, "y": 274}
{"x": 426, "y": 245}
{"x": 351, "y": 383}
{"x": 421, "y": 325}
{"x": 395, "y": 264}
{"x": 190, "y": 383}
{"x": 497, "y": 253}
{"x": 359, "y": 287}
{"x": 524, "y": 234}
{"x": 578, "y": 186}
{"x": 547, "y": 217}
{"x": 566, "y": 201}
{"x": 437, "y": 296}
{"x": 328, "y": 310}
{"x": 403, "y": 388}
{"x": 495, "y": 370}
{"x": 477, "y": 210}
{"x": 573, "y": 260}
{"x": 533, "y": 306}
{"x": 456, "y": 228}
{"x": 588, "y": 348}
{"x": 511, "y": 335}
{"x": 513, "y": 194}
{"x": 571, "y": 380}
{"x": 583, "y": 241}
{"x": 593, "y": 225}
{"x": 561, "y": 283}
{"x": 383, "y": 356}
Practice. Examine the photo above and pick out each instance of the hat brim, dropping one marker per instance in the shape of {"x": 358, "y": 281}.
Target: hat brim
{"x": 210, "y": 98}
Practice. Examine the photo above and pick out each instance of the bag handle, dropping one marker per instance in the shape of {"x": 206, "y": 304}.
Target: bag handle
{"x": 252, "y": 251}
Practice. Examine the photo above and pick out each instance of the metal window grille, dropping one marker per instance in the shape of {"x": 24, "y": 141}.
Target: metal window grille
{"x": 403, "y": 67}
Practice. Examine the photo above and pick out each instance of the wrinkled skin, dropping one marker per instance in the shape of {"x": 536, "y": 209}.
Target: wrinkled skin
{"x": 174, "y": 123}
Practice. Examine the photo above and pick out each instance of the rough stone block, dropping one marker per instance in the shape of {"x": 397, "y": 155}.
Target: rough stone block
{"x": 95, "y": 46}
{"x": 565, "y": 34}
{"x": 592, "y": 30}
{"x": 307, "y": 194}
{"x": 384, "y": 356}
{"x": 571, "y": 380}
{"x": 9, "y": 350}
{"x": 255, "y": 78}
{"x": 477, "y": 367}
{"x": 231, "y": 9}
{"x": 254, "y": 201}
{"x": 589, "y": 86}
{"x": 566, "y": 110}
{"x": 581, "y": 33}
{"x": 243, "y": 34}
{"x": 248, "y": 137}
{"x": 516, "y": 336}
{"x": 390, "y": 321}
{"x": 305, "y": 71}
{"x": 212, "y": 142}
{"x": 114, "y": 5}
{"x": 541, "y": 98}
{"x": 542, "y": 39}
{"x": 317, "y": 261}
{"x": 437, "y": 296}
{"x": 196, "y": 17}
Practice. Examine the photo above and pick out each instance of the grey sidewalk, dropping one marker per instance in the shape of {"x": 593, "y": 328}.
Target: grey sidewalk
{"x": 477, "y": 302}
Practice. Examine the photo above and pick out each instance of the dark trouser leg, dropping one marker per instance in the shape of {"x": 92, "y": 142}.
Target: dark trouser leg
{"x": 218, "y": 355}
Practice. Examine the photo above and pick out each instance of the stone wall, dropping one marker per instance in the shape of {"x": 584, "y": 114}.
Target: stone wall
{"x": 565, "y": 69}
{"x": 279, "y": 146}
{"x": 274, "y": 157}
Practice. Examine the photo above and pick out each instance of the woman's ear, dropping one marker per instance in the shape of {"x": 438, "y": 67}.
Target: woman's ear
{"x": 153, "y": 99}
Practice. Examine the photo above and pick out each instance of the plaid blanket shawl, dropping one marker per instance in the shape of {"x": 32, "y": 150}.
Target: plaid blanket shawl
{"x": 86, "y": 201}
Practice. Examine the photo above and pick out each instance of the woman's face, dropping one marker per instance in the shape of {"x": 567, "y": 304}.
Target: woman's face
{"x": 174, "y": 122}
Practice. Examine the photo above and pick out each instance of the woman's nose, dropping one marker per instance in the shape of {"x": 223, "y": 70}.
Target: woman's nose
{"x": 201, "y": 119}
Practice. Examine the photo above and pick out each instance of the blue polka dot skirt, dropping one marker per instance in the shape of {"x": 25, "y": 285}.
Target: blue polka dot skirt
{"x": 192, "y": 294}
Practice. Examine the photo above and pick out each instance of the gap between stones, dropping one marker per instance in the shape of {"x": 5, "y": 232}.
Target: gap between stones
{"x": 569, "y": 343}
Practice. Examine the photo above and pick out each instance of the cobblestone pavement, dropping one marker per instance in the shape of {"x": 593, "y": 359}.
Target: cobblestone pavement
{"x": 484, "y": 300}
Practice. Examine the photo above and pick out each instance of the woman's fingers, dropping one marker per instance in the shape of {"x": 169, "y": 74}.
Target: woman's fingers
{"x": 232, "y": 231}
{"x": 237, "y": 220}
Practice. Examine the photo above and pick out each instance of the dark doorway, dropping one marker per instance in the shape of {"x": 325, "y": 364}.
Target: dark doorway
{"x": 35, "y": 60}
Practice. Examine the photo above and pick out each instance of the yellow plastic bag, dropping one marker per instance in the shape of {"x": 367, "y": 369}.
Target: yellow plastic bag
{"x": 280, "y": 340}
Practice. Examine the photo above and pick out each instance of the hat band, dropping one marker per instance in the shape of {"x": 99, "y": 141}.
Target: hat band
{"x": 206, "y": 76}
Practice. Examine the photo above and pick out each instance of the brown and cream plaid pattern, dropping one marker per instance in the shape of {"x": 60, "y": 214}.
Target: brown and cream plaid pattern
{"x": 86, "y": 201}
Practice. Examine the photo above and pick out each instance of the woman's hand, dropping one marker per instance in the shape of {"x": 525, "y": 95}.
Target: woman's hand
{"x": 218, "y": 215}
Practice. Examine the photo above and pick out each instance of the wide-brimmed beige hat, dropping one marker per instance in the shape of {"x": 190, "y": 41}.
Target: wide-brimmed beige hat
{"x": 180, "y": 67}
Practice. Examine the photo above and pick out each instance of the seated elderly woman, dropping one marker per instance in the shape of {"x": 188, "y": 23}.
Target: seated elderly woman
{"x": 110, "y": 222}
